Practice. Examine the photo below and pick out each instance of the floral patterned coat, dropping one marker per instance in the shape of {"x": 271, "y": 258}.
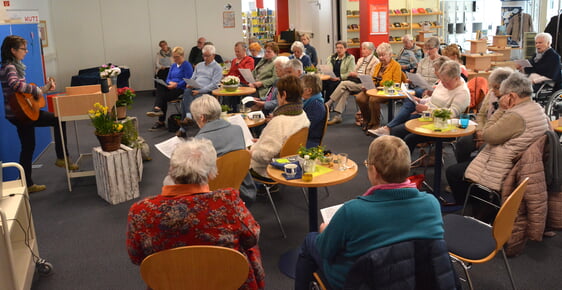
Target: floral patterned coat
{"x": 188, "y": 214}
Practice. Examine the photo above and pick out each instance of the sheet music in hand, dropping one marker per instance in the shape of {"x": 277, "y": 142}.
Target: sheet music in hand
{"x": 168, "y": 146}
{"x": 327, "y": 70}
{"x": 523, "y": 63}
{"x": 238, "y": 120}
{"x": 329, "y": 212}
{"x": 537, "y": 78}
{"x": 404, "y": 90}
{"x": 418, "y": 81}
{"x": 367, "y": 82}
{"x": 193, "y": 83}
{"x": 161, "y": 81}
{"x": 247, "y": 74}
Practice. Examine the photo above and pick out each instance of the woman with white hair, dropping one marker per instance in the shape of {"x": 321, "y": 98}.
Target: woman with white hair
{"x": 365, "y": 65}
{"x": 545, "y": 62}
{"x": 387, "y": 69}
{"x": 180, "y": 215}
{"x": 298, "y": 53}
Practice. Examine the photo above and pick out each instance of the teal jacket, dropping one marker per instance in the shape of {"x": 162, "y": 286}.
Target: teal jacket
{"x": 370, "y": 222}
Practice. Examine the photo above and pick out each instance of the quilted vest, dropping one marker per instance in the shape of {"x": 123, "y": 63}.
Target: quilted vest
{"x": 492, "y": 164}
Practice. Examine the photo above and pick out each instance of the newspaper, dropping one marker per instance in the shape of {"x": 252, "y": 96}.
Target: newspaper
{"x": 193, "y": 83}
{"x": 161, "y": 81}
{"x": 238, "y": 120}
{"x": 522, "y": 63}
{"x": 327, "y": 70}
{"x": 247, "y": 74}
{"x": 168, "y": 146}
{"x": 367, "y": 82}
{"x": 329, "y": 212}
{"x": 418, "y": 81}
{"x": 248, "y": 102}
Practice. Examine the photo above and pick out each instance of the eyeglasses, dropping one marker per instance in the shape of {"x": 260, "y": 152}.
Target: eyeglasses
{"x": 23, "y": 48}
{"x": 366, "y": 163}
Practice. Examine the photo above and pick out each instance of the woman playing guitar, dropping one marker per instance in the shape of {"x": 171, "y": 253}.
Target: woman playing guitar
{"x": 12, "y": 77}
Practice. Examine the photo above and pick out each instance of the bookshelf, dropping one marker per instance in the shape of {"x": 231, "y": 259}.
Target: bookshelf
{"x": 260, "y": 23}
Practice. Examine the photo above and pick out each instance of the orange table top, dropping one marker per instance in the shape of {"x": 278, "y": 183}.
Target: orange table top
{"x": 241, "y": 91}
{"x": 381, "y": 94}
{"x": 556, "y": 125}
{"x": 330, "y": 178}
{"x": 415, "y": 126}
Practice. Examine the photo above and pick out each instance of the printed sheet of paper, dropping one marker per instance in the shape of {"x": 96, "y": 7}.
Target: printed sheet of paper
{"x": 367, "y": 82}
{"x": 328, "y": 212}
{"x": 193, "y": 83}
{"x": 327, "y": 70}
{"x": 168, "y": 146}
{"x": 404, "y": 90}
{"x": 238, "y": 120}
{"x": 537, "y": 78}
{"x": 247, "y": 74}
{"x": 161, "y": 81}
{"x": 523, "y": 63}
{"x": 418, "y": 80}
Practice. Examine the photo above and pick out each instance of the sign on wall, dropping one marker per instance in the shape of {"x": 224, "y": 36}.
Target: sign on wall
{"x": 25, "y": 15}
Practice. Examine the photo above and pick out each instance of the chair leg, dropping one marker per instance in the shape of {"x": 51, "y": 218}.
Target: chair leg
{"x": 465, "y": 268}
{"x": 327, "y": 191}
{"x": 508, "y": 269}
{"x": 275, "y": 210}
{"x": 305, "y": 195}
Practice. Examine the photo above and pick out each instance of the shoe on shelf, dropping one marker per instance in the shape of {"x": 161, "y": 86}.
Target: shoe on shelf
{"x": 61, "y": 163}
{"x": 335, "y": 120}
{"x": 155, "y": 113}
{"x": 157, "y": 126}
{"x": 381, "y": 131}
{"x": 36, "y": 188}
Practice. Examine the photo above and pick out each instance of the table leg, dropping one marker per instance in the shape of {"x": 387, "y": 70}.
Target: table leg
{"x": 437, "y": 173}
{"x": 390, "y": 110}
{"x": 312, "y": 209}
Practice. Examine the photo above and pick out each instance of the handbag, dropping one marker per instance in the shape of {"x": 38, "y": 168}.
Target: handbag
{"x": 354, "y": 79}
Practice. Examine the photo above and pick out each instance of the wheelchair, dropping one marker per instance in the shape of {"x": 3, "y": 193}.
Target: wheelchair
{"x": 549, "y": 99}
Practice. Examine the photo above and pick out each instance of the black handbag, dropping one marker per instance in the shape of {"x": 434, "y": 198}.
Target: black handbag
{"x": 354, "y": 79}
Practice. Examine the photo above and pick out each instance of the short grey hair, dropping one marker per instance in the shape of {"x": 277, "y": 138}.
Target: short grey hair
{"x": 242, "y": 44}
{"x": 193, "y": 162}
{"x": 544, "y": 35}
{"x": 209, "y": 48}
{"x": 438, "y": 62}
{"x": 281, "y": 60}
{"x": 517, "y": 83}
{"x": 368, "y": 45}
{"x": 499, "y": 75}
{"x": 432, "y": 42}
{"x": 206, "y": 106}
{"x": 295, "y": 64}
{"x": 407, "y": 37}
{"x": 451, "y": 69}
{"x": 384, "y": 48}
{"x": 297, "y": 44}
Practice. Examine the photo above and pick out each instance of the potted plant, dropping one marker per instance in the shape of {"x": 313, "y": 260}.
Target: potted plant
{"x": 109, "y": 71}
{"x": 310, "y": 69}
{"x": 313, "y": 153}
{"x": 441, "y": 117}
{"x": 225, "y": 109}
{"x": 108, "y": 131}
{"x": 388, "y": 87}
{"x": 124, "y": 101}
{"x": 230, "y": 83}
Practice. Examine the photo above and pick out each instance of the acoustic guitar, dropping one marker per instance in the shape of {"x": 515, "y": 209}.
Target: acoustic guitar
{"x": 26, "y": 107}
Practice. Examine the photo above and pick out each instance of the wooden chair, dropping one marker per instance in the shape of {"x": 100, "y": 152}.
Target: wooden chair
{"x": 325, "y": 123}
{"x": 290, "y": 147}
{"x": 232, "y": 169}
{"x": 472, "y": 241}
{"x": 195, "y": 267}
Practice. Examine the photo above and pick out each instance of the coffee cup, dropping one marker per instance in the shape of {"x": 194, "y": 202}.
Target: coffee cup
{"x": 426, "y": 114}
{"x": 290, "y": 169}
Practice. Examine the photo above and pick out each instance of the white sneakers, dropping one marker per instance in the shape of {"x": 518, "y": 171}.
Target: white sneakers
{"x": 381, "y": 131}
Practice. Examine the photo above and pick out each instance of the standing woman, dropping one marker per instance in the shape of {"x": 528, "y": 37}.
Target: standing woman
{"x": 341, "y": 63}
{"x": 12, "y": 76}
{"x": 309, "y": 49}
{"x": 242, "y": 60}
{"x": 264, "y": 72}
{"x": 163, "y": 60}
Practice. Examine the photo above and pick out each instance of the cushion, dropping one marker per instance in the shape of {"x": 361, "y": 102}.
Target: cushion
{"x": 467, "y": 237}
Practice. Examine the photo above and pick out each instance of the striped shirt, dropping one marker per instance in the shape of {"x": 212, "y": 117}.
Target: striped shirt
{"x": 11, "y": 83}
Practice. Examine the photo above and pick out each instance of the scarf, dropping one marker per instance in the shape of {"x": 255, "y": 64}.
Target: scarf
{"x": 20, "y": 67}
{"x": 538, "y": 57}
{"x": 290, "y": 109}
{"x": 166, "y": 54}
{"x": 405, "y": 184}
{"x": 312, "y": 98}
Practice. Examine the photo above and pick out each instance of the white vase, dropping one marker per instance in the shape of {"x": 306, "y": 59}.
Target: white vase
{"x": 440, "y": 123}
{"x": 114, "y": 81}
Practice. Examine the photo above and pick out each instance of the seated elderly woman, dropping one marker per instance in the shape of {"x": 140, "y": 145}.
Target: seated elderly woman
{"x": 264, "y": 71}
{"x": 365, "y": 65}
{"x": 451, "y": 93}
{"x": 208, "y": 74}
{"x": 298, "y": 53}
{"x": 362, "y": 224}
{"x": 387, "y": 70}
{"x": 426, "y": 68}
{"x": 179, "y": 216}
{"x": 512, "y": 128}
{"x": 341, "y": 63}
{"x": 206, "y": 111}
{"x": 313, "y": 106}
{"x": 545, "y": 62}
{"x": 287, "y": 119}
{"x": 269, "y": 102}
{"x": 408, "y": 107}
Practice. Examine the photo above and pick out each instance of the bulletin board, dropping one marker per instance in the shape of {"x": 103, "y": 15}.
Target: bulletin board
{"x": 378, "y": 19}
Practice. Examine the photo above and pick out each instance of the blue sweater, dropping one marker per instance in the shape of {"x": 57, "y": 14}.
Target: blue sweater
{"x": 370, "y": 222}
{"x": 316, "y": 113}
{"x": 207, "y": 75}
{"x": 177, "y": 74}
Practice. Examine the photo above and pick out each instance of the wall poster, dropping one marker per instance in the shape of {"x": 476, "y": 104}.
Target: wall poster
{"x": 378, "y": 15}
{"x": 228, "y": 19}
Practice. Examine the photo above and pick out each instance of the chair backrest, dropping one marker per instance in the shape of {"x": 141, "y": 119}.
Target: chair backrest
{"x": 503, "y": 224}
{"x": 478, "y": 87}
{"x": 80, "y": 90}
{"x": 325, "y": 122}
{"x": 293, "y": 142}
{"x": 195, "y": 267}
{"x": 232, "y": 169}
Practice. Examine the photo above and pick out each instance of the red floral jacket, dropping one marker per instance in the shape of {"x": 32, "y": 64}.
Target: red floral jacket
{"x": 188, "y": 214}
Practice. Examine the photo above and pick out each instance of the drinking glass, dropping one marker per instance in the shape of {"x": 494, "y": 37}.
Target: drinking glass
{"x": 342, "y": 161}
{"x": 464, "y": 120}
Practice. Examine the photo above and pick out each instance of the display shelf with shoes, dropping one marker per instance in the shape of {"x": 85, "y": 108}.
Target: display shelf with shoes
{"x": 405, "y": 20}
{"x": 352, "y": 24}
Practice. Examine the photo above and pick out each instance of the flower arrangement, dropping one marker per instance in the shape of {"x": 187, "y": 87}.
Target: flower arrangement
{"x": 230, "y": 81}
{"x": 313, "y": 152}
{"x": 388, "y": 83}
{"x": 310, "y": 69}
{"x": 225, "y": 108}
{"x": 125, "y": 97}
{"x": 104, "y": 121}
{"x": 109, "y": 70}
{"x": 442, "y": 113}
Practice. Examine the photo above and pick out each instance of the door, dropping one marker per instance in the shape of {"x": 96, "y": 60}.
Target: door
{"x": 323, "y": 27}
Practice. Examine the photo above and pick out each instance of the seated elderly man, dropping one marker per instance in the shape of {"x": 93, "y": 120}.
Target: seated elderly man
{"x": 391, "y": 211}
{"x": 179, "y": 216}
{"x": 206, "y": 111}
{"x": 517, "y": 123}
{"x": 208, "y": 74}
{"x": 269, "y": 102}
{"x": 545, "y": 62}
{"x": 409, "y": 55}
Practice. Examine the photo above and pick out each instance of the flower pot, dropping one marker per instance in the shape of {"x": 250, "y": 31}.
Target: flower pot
{"x": 110, "y": 142}
{"x": 440, "y": 123}
{"x": 224, "y": 115}
{"x": 104, "y": 86}
{"x": 114, "y": 81}
{"x": 230, "y": 88}
{"x": 121, "y": 112}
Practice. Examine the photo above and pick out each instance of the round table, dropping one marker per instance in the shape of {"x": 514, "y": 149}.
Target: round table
{"x": 330, "y": 178}
{"x": 415, "y": 126}
{"x": 390, "y": 98}
{"x": 241, "y": 91}
{"x": 324, "y": 77}
{"x": 556, "y": 125}
{"x": 250, "y": 122}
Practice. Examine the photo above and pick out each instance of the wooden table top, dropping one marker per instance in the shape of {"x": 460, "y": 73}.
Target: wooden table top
{"x": 250, "y": 122}
{"x": 241, "y": 91}
{"x": 331, "y": 178}
{"x": 556, "y": 125}
{"x": 324, "y": 77}
{"x": 375, "y": 93}
{"x": 414, "y": 126}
